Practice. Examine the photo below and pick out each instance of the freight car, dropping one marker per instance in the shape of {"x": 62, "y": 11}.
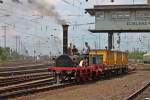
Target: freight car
{"x": 114, "y": 62}
{"x": 90, "y": 66}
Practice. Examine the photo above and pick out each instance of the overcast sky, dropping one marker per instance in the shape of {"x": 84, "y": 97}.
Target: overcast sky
{"x": 35, "y": 29}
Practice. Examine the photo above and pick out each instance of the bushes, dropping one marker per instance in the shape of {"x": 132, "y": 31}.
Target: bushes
{"x": 8, "y": 54}
{"x": 136, "y": 55}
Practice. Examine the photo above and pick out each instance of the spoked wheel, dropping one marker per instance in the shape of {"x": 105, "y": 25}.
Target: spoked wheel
{"x": 94, "y": 76}
{"x": 77, "y": 77}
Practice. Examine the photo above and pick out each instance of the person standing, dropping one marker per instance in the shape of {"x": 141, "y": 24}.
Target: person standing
{"x": 75, "y": 50}
{"x": 70, "y": 49}
{"x": 88, "y": 47}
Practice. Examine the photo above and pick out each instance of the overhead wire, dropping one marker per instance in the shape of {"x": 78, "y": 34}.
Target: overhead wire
{"x": 73, "y": 3}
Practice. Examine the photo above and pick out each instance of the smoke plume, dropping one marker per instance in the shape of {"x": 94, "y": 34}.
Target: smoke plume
{"x": 16, "y": 1}
{"x": 47, "y": 8}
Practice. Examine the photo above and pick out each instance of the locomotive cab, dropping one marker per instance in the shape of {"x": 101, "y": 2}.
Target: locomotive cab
{"x": 96, "y": 59}
{"x": 96, "y": 64}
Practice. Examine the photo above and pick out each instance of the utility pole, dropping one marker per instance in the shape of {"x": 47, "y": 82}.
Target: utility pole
{"x": 16, "y": 44}
{"x": 39, "y": 46}
{"x": 133, "y": 2}
{"x": 110, "y": 40}
{"x": 99, "y": 41}
{"x": 148, "y": 45}
{"x": 5, "y": 29}
{"x": 95, "y": 44}
{"x": 19, "y": 44}
{"x": 118, "y": 41}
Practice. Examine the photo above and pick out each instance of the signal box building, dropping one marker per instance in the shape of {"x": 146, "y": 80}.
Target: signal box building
{"x": 121, "y": 18}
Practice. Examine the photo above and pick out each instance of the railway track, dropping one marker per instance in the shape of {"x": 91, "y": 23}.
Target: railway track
{"x": 141, "y": 94}
{"x": 20, "y": 80}
{"x": 24, "y": 81}
{"x": 33, "y": 87}
{"x": 18, "y": 68}
{"x": 6, "y": 81}
{"x": 30, "y": 87}
{"x": 22, "y": 62}
{"x": 21, "y": 72}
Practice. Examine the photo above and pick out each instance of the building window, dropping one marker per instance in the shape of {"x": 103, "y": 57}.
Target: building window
{"x": 100, "y": 15}
{"x": 142, "y": 15}
{"x": 121, "y": 15}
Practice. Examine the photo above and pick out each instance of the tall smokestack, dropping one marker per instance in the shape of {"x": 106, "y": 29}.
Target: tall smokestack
{"x": 65, "y": 38}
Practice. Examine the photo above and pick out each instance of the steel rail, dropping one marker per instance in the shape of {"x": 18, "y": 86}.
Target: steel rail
{"x": 138, "y": 92}
{"x": 22, "y": 79}
{"x": 6, "y": 92}
{"x": 33, "y": 87}
{"x": 28, "y": 71}
{"x": 29, "y": 91}
{"x": 37, "y": 66}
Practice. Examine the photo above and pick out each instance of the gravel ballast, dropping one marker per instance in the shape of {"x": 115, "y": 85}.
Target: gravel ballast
{"x": 111, "y": 89}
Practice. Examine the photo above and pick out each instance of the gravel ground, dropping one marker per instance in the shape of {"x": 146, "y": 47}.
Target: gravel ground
{"x": 112, "y": 89}
{"x": 21, "y": 63}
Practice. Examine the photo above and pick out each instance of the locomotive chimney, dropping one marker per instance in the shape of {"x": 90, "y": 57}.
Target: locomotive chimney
{"x": 65, "y": 38}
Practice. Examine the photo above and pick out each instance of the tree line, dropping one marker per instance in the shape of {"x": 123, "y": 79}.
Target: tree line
{"x": 7, "y": 54}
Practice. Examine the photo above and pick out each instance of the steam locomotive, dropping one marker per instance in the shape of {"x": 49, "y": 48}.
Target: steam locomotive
{"x": 96, "y": 64}
{"x": 93, "y": 65}
{"x": 74, "y": 67}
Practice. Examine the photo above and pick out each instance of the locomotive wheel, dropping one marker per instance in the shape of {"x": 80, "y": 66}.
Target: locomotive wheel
{"x": 77, "y": 77}
{"x": 94, "y": 75}
{"x": 125, "y": 70}
{"x": 69, "y": 79}
{"x": 79, "y": 80}
{"x": 99, "y": 75}
{"x": 107, "y": 74}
